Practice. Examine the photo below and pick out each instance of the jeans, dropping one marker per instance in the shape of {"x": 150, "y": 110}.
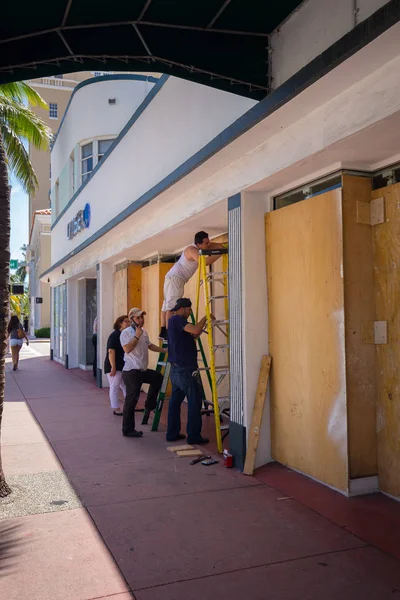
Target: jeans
{"x": 184, "y": 384}
{"x": 133, "y": 380}
{"x": 116, "y": 383}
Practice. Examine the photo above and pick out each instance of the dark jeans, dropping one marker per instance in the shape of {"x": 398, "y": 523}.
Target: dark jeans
{"x": 94, "y": 342}
{"x": 133, "y": 380}
{"x": 184, "y": 384}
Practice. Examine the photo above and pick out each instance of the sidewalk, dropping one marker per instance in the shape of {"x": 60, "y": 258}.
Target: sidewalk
{"x": 176, "y": 532}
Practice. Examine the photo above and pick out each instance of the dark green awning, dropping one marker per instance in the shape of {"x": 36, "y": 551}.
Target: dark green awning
{"x": 222, "y": 43}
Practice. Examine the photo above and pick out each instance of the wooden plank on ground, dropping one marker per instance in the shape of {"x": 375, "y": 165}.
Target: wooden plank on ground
{"x": 193, "y": 452}
{"x": 258, "y": 410}
{"x": 177, "y": 448}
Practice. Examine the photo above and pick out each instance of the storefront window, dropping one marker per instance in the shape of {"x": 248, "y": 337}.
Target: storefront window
{"x": 60, "y": 323}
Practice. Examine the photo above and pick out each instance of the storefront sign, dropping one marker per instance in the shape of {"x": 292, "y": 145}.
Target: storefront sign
{"x": 78, "y": 223}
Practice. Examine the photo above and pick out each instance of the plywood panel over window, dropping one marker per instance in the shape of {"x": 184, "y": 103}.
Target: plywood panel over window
{"x": 306, "y": 328}
{"x": 152, "y": 298}
{"x": 120, "y": 292}
{"x": 359, "y": 309}
{"x": 386, "y": 238}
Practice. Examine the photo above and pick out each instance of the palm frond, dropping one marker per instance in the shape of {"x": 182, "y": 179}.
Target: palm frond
{"x": 18, "y": 159}
{"x": 21, "y": 91}
{"x": 24, "y": 123}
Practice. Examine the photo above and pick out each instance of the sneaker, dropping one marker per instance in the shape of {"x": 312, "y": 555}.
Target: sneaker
{"x": 180, "y": 436}
{"x": 133, "y": 433}
{"x": 199, "y": 440}
{"x": 163, "y": 334}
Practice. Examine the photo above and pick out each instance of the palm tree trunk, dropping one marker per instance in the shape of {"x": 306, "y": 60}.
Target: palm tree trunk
{"x": 5, "y": 193}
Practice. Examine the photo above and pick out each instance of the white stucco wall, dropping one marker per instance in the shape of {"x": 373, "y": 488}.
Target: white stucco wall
{"x": 255, "y": 313}
{"x": 306, "y": 138}
{"x": 90, "y": 115}
{"x": 178, "y": 122}
{"x": 311, "y": 29}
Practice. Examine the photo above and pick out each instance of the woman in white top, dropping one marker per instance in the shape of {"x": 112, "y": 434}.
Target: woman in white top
{"x": 181, "y": 272}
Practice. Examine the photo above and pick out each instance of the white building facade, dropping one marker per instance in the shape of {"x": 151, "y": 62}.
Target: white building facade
{"x": 291, "y": 180}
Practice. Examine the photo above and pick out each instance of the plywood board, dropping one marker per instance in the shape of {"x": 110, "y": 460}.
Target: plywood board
{"x": 359, "y": 316}
{"x": 151, "y": 304}
{"x": 386, "y": 239}
{"x": 306, "y": 333}
{"x": 180, "y": 448}
{"x": 188, "y": 453}
{"x": 120, "y": 293}
{"x": 134, "y": 285}
{"x": 258, "y": 412}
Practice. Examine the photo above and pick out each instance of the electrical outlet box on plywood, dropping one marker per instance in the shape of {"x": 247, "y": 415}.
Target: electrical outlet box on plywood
{"x": 374, "y": 332}
{"x": 371, "y": 213}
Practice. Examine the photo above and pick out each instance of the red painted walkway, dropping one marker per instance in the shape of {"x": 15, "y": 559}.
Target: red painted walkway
{"x": 181, "y": 532}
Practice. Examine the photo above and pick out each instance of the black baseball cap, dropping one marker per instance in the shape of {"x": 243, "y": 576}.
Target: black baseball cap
{"x": 182, "y": 303}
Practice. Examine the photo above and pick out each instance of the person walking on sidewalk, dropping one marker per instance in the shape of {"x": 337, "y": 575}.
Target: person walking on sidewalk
{"x": 17, "y": 335}
{"x": 136, "y": 344}
{"x": 114, "y": 363}
{"x": 181, "y": 272}
{"x": 185, "y": 375}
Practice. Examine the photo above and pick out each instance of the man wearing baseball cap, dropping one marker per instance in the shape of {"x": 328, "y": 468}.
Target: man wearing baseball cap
{"x": 185, "y": 376}
{"x": 136, "y": 345}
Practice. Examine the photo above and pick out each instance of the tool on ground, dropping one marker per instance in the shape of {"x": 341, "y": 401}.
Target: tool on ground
{"x": 217, "y": 373}
{"x": 199, "y": 459}
{"x": 207, "y": 463}
{"x": 258, "y": 410}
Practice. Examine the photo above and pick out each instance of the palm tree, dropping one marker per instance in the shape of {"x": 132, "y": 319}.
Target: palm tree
{"x": 18, "y": 124}
{"x": 21, "y": 271}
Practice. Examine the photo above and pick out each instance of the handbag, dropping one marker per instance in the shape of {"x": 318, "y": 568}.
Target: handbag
{"x": 20, "y": 333}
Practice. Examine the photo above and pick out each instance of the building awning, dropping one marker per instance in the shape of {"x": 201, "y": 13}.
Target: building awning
{"x": 222, "y": 43}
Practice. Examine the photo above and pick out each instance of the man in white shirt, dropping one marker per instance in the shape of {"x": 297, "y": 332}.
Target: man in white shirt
{"x": 181, "y": 272}
{"x": 136, "y": 345}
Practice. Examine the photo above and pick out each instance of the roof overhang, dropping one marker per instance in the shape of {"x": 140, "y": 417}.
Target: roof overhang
{"x": 222, "y": 43}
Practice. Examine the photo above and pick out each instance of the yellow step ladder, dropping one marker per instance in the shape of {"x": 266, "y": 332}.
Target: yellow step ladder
{"x": 209, "y": 281}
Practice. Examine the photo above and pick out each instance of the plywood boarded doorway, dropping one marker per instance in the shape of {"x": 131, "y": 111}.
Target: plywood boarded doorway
{"x": 306, "y": 333}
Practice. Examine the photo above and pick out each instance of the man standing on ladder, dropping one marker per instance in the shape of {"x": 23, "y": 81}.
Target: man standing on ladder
{"x": 185, "y": 375}
{"x": 180, "y": 274}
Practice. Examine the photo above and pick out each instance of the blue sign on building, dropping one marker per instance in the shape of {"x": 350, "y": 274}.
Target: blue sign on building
{"x": 79, "y": 222}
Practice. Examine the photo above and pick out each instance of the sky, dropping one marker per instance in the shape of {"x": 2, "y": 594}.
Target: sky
{"x": 19, "y": 219}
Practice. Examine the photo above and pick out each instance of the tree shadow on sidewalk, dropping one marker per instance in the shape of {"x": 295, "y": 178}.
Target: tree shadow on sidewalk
{"x": 11, "y": 544}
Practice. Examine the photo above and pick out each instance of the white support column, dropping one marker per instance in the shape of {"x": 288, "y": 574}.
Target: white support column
{"x": 254, "y": 205}
{"x": 72, "y": 323}
{"x": 105, "y": 311}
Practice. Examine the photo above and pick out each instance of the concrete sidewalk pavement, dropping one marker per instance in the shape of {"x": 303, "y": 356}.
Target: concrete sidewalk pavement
{"x": 176, "y": 532}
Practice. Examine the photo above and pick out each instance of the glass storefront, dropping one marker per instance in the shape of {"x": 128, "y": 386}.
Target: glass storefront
{"x": 60, "y": 323}
{"x": 87, "y": 290}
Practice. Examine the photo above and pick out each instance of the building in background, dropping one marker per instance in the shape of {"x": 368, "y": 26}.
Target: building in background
{"x": 56, "y": 91}
{"x": 39, "y": 259}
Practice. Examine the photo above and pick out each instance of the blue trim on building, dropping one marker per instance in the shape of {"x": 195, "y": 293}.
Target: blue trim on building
{"x": 234, "y": 201}
{"x": 348, "y": 45}
{"x": 153, "y": 92}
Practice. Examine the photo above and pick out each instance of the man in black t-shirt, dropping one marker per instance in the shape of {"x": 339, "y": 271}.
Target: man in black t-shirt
{"x": 185, "y": 376}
